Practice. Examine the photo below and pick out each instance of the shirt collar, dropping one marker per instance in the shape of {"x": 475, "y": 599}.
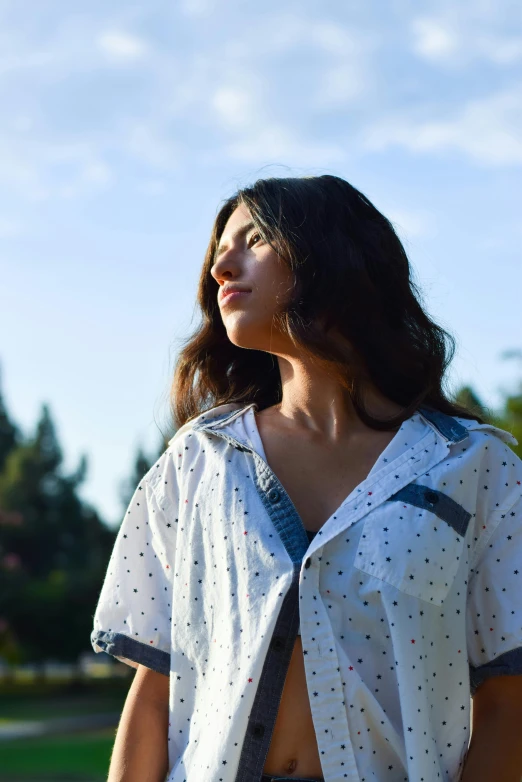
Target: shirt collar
{"x": 450, "y": 428}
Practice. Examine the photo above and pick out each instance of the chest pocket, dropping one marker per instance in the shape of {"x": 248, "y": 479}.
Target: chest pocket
{"x": 415, "y": 542}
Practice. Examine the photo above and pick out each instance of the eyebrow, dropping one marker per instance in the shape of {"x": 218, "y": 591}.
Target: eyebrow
{"x": 240, "y": 232}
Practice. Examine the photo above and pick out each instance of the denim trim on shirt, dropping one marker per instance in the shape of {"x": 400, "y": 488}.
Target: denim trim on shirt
{"x": 507, "y": 664}
{"x": 442, "y": 505}
{"x": 119, "y": 645}
{"x": 446, "y": 425}
{"x": 453, "y": 430}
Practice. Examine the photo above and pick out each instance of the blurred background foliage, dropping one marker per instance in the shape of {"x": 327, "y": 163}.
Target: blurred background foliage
{"x": 54, "y": 547}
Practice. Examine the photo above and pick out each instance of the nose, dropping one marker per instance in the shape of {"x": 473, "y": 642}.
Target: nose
{"x": 224, "y": 268}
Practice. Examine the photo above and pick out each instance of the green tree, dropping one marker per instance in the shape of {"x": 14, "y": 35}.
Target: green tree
{"x": 142, "y": 464}
{"x": 53, "y": 562}
{"x": 510, "y": 415}
{"x": 466, "y": 396}
{"x": 9, "y": 433}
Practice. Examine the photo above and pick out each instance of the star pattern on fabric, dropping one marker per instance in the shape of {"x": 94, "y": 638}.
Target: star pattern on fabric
{"x": 391, "y": 597}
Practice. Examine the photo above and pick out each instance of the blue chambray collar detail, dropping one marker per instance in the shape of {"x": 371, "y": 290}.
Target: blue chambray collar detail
{"x": 452, "y": 428}
{"x": 444, "y": 424}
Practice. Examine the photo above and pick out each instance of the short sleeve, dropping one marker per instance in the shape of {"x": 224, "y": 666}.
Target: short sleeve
{"x": 132, "y": 620}
{"x": 494, "y": 605}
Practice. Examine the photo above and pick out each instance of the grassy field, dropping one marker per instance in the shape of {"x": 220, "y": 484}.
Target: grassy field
{"x": 31, "y": 708}
{"x": 45, "y": 699}
{"x": 74, "y": 757}
{"x": 59, "y": 758}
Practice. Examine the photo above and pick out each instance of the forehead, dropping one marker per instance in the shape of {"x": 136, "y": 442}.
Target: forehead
{"x": 239, "y": 215}
{"x": 239, "y": 222}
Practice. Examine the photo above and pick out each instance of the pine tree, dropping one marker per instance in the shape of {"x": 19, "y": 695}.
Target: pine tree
{"x": 9, "y": 433}
{"x": 53, "y": 562}
{"x": 142, "y": 463}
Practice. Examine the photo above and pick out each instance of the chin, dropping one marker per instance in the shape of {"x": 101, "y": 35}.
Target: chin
{"x": 249, "y": 336}
{"x": 247, "y": 344}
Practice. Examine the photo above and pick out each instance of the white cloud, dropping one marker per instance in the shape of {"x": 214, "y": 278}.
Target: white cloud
{"x": 461, "y": 32}
{"x": 237, "y": 108}
{"x": 232, "y": 87}
{"x": 92, "y": 175}
{"x": 121, "y": 46}
{"x": 39, "y": 168}
{"x": 343, "y": 54}
{"x": 348, "y": 73}
{"x": 97, "y": 172}
{"x": 72, "y": 45}
{"x": 433, "y": 38}
{"x": 275, "y": 141}
{"x": 485, "y": 130}
{"x": 341, "y": 84}
{"x": 232, "y": 105}
{"x": 25, "y": 61}
{"x": 196, "y": 8}
{"x": 503, "y": 50}
{"x": 285, "y": 30}
{"x": 332, "y": 37}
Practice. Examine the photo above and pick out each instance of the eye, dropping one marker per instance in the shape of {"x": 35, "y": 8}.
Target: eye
{"x": 256, "y": 233}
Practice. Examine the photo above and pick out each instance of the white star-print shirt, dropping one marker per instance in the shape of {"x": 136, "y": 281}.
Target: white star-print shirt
{"x": 408, "y": 598}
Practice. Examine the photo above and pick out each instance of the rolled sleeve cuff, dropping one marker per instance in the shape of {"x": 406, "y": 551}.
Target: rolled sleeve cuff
{"x": 129, "y": 650}
{"x": 507, "y": 664}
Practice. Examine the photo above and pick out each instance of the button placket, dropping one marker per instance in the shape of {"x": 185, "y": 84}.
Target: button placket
{"x": 278, "y": 643}
{"x": 258, "y": 729}
{"x": 274, "y": 495}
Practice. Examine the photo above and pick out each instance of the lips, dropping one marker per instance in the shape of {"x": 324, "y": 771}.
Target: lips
{"x": 228, "y": 292}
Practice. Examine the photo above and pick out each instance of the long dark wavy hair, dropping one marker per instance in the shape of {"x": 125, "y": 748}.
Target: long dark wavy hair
{"x": 350, "y": 272}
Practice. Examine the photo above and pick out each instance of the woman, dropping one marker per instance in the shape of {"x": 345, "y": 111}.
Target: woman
{"x": 316, "y": 576}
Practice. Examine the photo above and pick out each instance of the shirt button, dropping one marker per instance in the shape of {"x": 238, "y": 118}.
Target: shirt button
{"x": 273, "y": 495}
{"x": 308, "y": 563}
{"x": 432, "y": 497}
{"x": 258, "y": 729}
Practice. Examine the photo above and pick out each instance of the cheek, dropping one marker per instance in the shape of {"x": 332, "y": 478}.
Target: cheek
{"x": 272, "y": 294}
{"x": 272, "y": 281}
{"x": 284, "y": 290}
{"x": 280, "y": 282}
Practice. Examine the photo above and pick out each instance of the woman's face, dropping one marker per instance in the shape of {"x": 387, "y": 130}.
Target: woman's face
{"x": 243, "y": 258}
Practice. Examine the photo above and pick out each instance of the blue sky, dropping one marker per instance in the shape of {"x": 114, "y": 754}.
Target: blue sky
{"x": 124, "y": 126}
